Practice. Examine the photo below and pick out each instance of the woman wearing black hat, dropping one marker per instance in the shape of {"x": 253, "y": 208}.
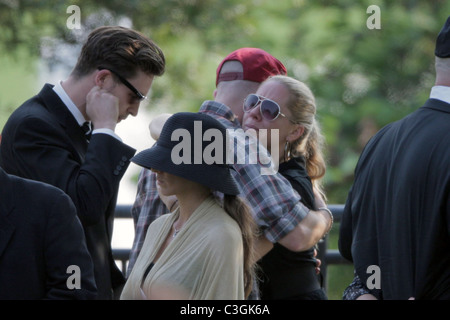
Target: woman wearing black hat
{"x": 201, "y": 250}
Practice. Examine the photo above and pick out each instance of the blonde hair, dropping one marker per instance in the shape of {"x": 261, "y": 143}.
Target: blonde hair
{"x": 302, "y": 106}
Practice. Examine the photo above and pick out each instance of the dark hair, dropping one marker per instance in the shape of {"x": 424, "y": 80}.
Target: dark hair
{"x": 121, "y": 49}
{"x": 240, "y": 212}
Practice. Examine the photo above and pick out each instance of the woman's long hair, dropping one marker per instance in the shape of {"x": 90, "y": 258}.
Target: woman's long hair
{"x": 240, "y": 212}
{"x": 302, "y": 106}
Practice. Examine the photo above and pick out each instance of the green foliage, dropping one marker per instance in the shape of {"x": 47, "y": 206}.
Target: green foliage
{"x": 17, "y": 79}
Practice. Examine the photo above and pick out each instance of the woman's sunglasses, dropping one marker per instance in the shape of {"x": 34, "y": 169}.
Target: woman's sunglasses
{"x": 270, "y": 110}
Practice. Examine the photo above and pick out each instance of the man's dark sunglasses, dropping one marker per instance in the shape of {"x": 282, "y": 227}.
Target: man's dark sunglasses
{"x": 139, "y": 95}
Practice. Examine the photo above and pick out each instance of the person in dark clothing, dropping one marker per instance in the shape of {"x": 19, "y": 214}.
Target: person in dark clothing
{"x": 396, "y": 221}
{"x": 288, "y": 105}
{"x": 48, "y": 138}
{"x": 43, "y": 252}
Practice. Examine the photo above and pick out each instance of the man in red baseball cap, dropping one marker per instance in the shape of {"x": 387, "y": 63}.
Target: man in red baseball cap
{"x": 257, "y": 66}
{"x": 276, "y": 206}
{"x": 240, "y": 73}
{"x": 237, "y": 75}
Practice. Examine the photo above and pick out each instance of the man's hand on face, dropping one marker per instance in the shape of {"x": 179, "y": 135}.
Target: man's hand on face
{"x": 102, "y": 108}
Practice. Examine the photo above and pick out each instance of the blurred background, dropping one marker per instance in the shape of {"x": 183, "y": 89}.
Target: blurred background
{"x": 362, "y": 78}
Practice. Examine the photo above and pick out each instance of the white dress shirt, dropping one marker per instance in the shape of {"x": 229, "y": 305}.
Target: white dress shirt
{"x": 62, "y": 94}
{"x": 440, "y": 93}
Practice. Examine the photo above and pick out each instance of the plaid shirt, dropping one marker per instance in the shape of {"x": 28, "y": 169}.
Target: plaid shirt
{"x": 275, "y": 205}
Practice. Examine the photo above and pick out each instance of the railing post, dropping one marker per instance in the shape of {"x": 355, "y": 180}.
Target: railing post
{"x": 321, "y": 254}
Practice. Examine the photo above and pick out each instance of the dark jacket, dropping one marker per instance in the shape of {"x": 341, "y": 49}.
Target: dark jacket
{"x": 42, "y": 141}
{"x": 397, "y": 214}
{"x": 40, "y": 238}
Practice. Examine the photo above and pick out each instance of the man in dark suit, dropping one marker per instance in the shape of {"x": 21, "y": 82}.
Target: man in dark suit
{"x": 44, "y": 139}
{"x": 43, "y": 253}
{"x": 396, "y": 223}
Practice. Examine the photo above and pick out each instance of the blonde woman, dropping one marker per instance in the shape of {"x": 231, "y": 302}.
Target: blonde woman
{"x": 286, "y": 104}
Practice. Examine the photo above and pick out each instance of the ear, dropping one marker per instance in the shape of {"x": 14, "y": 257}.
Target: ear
{"x": 295, "y": 133}
{"x": 215, "y": 93}
{"x": 101, "y": 77}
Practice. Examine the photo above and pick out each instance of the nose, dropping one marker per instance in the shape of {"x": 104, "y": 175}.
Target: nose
{"x": 255, "y": 112}
{"x": 134, "y": 109}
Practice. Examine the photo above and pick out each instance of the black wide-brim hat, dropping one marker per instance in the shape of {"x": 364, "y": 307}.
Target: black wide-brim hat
{"x": 216, "y": 175}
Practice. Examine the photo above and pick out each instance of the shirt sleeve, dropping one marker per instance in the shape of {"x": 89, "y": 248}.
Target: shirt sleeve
{"x": 276, "y": 205}
{"x": 108, "y": 132}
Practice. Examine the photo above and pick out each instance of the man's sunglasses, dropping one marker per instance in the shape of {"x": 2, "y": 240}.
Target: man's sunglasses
{"x": 139, "y": 95}
{"x": 270, "y": 110}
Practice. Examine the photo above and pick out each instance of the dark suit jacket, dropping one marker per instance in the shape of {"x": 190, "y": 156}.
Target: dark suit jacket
{"x": 397, "y": 214}
{"x": 40, "y": 237}
{"x": 42, "y": 141}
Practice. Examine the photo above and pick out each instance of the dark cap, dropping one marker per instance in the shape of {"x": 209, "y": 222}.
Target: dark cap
{"x": 257, "y": 66}
{"x": 443, "y": 41}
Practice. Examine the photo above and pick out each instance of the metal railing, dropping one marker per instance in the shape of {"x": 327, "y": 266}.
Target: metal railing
{"x": 327, "y": 256}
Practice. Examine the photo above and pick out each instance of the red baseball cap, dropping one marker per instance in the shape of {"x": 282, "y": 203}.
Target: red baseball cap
{"x": 257, "y": 66}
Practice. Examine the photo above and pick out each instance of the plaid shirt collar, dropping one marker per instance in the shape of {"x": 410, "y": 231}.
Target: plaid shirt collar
{"x": 222, "y": 111}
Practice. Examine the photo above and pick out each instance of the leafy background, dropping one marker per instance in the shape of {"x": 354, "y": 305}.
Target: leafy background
{"x": 362, "y": 79}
